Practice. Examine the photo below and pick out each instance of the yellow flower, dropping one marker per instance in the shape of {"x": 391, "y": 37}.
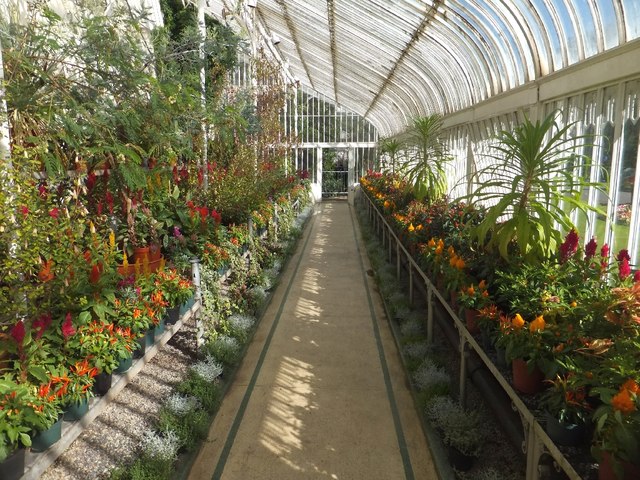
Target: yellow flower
{"x": 419, "y": 227}
{"x": 573, "y": 304}
{"x": 112, "y": 239}
{"x": 386, "y": 204}
{"x": 411, "y": 228}
{"x": 517, "y": 321}
{"x": 538, "y": 324}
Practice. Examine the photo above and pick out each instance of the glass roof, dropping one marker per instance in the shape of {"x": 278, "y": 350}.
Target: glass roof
{"x": 390, "y": 60}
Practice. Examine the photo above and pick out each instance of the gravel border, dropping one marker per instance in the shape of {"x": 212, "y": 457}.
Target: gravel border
{"x": 112, "y": 439}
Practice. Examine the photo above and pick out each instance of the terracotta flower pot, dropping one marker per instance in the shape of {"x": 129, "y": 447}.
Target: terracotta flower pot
{"x": 471, "y": 319}
{"x": 526, "y": 381}
{"x": 606, "y": 469}
{"x": 155, "y": 252}
{"x": 140, "y": 253}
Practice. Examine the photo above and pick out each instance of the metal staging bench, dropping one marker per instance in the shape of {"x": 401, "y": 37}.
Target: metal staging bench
{"x": 536, "y": 442}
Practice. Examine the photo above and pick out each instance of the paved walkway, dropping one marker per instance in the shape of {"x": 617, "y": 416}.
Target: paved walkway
{"x": 321, "y": 393}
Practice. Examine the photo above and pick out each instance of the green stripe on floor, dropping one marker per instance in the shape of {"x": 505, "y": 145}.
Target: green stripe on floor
{"x": 224, "y": 456}
{"x": 402, "y": 444}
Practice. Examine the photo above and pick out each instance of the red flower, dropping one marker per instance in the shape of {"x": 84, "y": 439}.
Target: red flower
{"x": 24, "y": 210}
{"x": 176, "y": 177}
{"x": 624, "y": 270}
{"x": 200, "y": 177}
{"x": 99, "y": 208}
{"x": 91, "y": 181}
{"x": 204, "y": 213}
{"x": 604, "y": 251}
{"x": 570, "y": 246}
{"x": 18, "y": 332}
{"x": 109, "y": 199}
{"x": 94, "y": 276}
{"x": 42, "y": 188}
{"x": 636, "y": 276}
{"x": 590, "y": 248}
{"x": 216, "y": 216}
{"x": 622, "y": 254}
{"x": 41, "y": 324}
{"x": 67, "y": 327}
{"x": 54, "y": 212}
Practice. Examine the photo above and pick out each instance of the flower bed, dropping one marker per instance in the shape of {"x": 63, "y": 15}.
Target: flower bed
{"x": 570, "y": 315}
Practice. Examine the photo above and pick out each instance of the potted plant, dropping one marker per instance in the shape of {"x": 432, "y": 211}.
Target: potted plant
{"x": 177, "y": 291}
{"x": 139, "y": 226}
{"x": 18, "y": 418}
{"x": 529, "y": 349}
{"x": 473, "y": 298}
{"x": 48, "y": 407}
{"x": 78, "y": 390}
{"x": 567, "y": 409}
{"x": 617, "y": 434}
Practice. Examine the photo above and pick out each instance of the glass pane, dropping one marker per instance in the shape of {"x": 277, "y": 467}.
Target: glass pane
{"x": 632, "y": 18}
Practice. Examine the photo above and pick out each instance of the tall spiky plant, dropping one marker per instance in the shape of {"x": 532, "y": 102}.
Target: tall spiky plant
{"x": 427, "y": 158}
{"x": 391, "y": 147}
{"x": 531, "y": 189}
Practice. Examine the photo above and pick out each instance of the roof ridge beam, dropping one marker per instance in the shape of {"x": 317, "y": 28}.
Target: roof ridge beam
{"x": 426, "y": 20}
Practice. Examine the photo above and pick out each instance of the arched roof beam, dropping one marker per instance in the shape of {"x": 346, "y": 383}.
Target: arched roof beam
{"x": 428, "y": 15}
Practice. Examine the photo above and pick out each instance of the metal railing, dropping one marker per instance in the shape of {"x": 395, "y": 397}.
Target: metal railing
{"x": 536, "y": 442}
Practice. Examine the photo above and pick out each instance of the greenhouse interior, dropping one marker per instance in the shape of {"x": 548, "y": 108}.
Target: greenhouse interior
{"x": 296, "y": 239}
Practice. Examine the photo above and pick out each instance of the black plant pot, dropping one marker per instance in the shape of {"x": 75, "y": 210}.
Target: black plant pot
{"x": 12, "y": 467}
{"x": 567, "y": 434}
{"x": 172, "y": 315}
{"x": 102, "y": 383}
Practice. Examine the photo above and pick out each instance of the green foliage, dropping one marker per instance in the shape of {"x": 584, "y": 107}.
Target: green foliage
{"x": 190, "y": 428}
{"x": 392, "y": 148}
{"x": 209, "y": 393}
{"x": 531, "y": 187}
{"x": 427, "y": 156}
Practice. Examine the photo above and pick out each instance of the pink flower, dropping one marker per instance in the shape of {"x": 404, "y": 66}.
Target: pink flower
{"x": 624, "y": 270}
{"x": 18, "y": 332}
{"x": 604, "y": 251}
{"x": 54, "y": 212}
{"x": 569, "y": 246}
{"x": 67, "y": 327}
{"x": 636, "y": 276}
{"x": 590, "y": 248}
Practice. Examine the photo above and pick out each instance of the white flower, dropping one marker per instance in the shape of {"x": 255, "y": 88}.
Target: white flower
{"x": 242, "y": 323}
{"x": 207, "y": 369}
{"x": 429, "y": 374}
{"x": 180, "y": 405}
{"x": 161, "y": 446}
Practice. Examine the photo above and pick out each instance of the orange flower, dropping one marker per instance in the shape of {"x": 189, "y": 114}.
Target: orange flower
{"x": 517, "y": 321}
{"x": 623, "y": 402}
{"x": 431, "y": 243}
{"x": 573, "y": 304}
{"x": 538, "y": 324}
{"x": 631, "y": 386}
{"x": 471, "y": 291}
{"x": 438, "y": 250}
{"x": 460, "y": 263}
{"x": 411, "y": 228}
{"x": 45, "y": 274}
{"x": 482, "y": 285}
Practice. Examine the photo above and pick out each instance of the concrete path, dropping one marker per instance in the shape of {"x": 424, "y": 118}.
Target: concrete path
{"x": 321, "y": 393}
